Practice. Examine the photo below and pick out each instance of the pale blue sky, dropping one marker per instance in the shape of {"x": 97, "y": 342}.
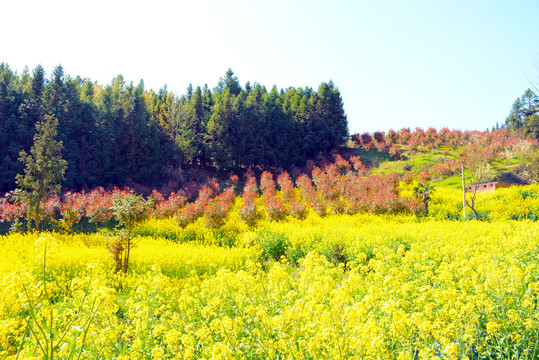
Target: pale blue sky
{"x": 457, "y": 63}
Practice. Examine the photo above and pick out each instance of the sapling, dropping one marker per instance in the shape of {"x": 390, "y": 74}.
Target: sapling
{"x": 128, "y": 210}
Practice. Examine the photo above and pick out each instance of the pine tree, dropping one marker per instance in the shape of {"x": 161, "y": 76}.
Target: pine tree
{"x": 230, "y": 82}
{"x": 44, "y": 170}
{"x": 524, "y": 116}
{"x": 218, "y": 132}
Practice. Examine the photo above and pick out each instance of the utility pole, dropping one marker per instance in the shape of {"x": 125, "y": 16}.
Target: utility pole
{"x": 463, "y": 193}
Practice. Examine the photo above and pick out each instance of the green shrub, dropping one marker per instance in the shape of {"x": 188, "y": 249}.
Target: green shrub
{"x": 273, "y": 246}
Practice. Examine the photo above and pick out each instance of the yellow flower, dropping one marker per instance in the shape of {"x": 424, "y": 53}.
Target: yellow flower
{"x": 493, "y": 327}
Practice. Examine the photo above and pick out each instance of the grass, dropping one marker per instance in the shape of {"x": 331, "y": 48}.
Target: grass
{"x": 421, "y": 160}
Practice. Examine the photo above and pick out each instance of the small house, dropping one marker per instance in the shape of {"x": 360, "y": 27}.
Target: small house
{"x": 490, "y": 186}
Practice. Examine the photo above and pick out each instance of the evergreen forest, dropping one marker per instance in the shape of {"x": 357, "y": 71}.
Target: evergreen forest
{"x": 122, "y": 134}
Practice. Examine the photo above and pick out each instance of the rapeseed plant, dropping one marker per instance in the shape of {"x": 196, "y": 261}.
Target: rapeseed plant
{"x": 411, "y": 288}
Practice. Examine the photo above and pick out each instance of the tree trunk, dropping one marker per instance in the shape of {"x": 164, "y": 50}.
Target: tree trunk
{"x": 473, "y": 205}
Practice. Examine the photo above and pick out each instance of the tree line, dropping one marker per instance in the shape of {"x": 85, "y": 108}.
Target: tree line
{"x": 123, "y": 134}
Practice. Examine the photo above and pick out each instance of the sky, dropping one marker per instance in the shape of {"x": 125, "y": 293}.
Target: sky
{"x": 456, "y": 63}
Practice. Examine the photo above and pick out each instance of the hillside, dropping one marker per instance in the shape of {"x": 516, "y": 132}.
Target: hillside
{"x": 372, "y": 175}
{"x": 437, "y": 156}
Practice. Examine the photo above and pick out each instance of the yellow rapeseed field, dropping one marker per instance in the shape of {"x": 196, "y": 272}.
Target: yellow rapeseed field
{"x": 347, "y": 287}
